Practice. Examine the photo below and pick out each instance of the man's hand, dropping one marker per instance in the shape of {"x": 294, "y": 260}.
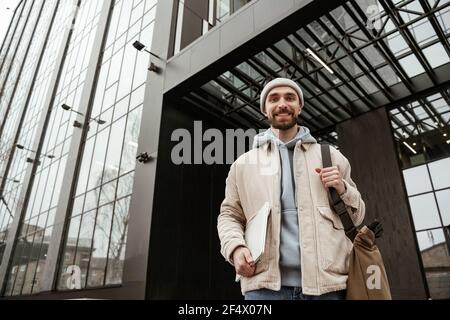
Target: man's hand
{"x": 332, "y": 178}
{"x": 243, "y": 262}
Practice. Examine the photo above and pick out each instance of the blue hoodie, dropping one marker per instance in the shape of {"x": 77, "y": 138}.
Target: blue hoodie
{"x": 289, "y": 242}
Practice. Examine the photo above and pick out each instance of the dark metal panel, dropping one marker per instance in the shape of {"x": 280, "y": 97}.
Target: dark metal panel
{"x": 376, "y": 171}
{"x": 185, "y": 260}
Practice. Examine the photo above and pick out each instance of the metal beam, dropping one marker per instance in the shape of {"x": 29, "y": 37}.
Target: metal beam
{"x": 436, "y": 26}
{"x": 308, "y": 77}
{"x": 332, "y": 85}
{"x": 361, "y": 94}
{"x": 381, "y": 46}
{"x": 367, "y": 69}
{"x": 396, "y": 18}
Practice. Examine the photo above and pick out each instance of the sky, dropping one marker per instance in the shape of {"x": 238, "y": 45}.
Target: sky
{"x": 6, "y": 12}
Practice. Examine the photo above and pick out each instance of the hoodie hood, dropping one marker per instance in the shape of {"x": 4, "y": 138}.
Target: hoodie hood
{"x": 304, "y": 135}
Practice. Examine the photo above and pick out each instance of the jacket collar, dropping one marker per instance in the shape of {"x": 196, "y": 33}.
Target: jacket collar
{"x": 272, "y": 146}
{"x": 305, "y": 146}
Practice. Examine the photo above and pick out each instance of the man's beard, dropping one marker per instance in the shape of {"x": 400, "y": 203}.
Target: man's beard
{"x": 283, "y": 125}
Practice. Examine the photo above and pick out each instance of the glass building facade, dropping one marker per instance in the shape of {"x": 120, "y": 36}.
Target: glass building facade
{"x": 90, "y": 203}
{"x": 55, "y": 40}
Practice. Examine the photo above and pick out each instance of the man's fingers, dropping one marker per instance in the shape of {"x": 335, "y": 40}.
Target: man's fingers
{"x": 331, "y": 184}
{"x": 330, "y": 173}
{"x": 245, "y": 265}
{"x": 250, "y": 271}
{"x": 246, "y": 270}
{"x": 325, "y": 170}
{"x": 248, "y": 257}
{"x": 331, "y": 178}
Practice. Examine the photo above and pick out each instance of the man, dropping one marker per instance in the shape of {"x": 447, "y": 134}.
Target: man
{"x": 306, "y": 253}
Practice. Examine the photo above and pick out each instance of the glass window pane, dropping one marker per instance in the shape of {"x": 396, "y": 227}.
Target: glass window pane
{"x": 436, "y": 55}
{"x": 397, "y": 44}
{"x": 417, "y": 180}
{"x": 436, "y": 262}
{"x": 412, "y": 66}
{"x": 443, "y": 198}
{"x": 84, "y": 249}
{"x": 223, "y": 9}
{"x": 70, "y": 277}
{"x": 125, "y": 186}
{"x": 440, "y": 173}
{"x": 444, "y": 19}
{"x": 424, "y": 211}
{"x": 100, "y": 247}
{"x": 423, "y": 31}
{"x": 116, "y": 254}
{"x": 429, "y": 239}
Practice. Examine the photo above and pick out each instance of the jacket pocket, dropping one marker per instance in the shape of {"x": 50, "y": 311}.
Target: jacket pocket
{"x": 334, "y": 245}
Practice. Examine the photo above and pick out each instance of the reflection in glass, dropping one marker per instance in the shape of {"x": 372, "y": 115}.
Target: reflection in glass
{"x": 83, "y": 250}
{"x": 436, "y": 261}
{"x": 421, "y": 130}
{"x": 69, "y": 277}
{"x": 96, "y": 253}
{"x": 100, "y": 247}
{"x": 116, "y": 253}
{"x": 443, "y": 198}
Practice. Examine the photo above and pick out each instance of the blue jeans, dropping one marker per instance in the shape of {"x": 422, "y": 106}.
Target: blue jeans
{"x": 291, "y": 293}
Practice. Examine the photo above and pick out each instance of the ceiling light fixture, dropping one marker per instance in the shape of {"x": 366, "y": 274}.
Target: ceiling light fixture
{"x": 316, "y": 57}
{"x": 410, "y": 148}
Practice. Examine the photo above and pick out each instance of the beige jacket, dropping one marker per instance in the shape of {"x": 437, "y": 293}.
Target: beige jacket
{"x": 254, "y": 179}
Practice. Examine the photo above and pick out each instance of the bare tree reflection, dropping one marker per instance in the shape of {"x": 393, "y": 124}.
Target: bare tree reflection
{"x": 113, "y": 222}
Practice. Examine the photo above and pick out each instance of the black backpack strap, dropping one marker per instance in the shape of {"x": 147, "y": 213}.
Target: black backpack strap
{"x": 338, "y": 204}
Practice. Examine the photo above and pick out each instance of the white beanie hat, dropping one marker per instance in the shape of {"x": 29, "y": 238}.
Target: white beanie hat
{"x": 280, "y": 82}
